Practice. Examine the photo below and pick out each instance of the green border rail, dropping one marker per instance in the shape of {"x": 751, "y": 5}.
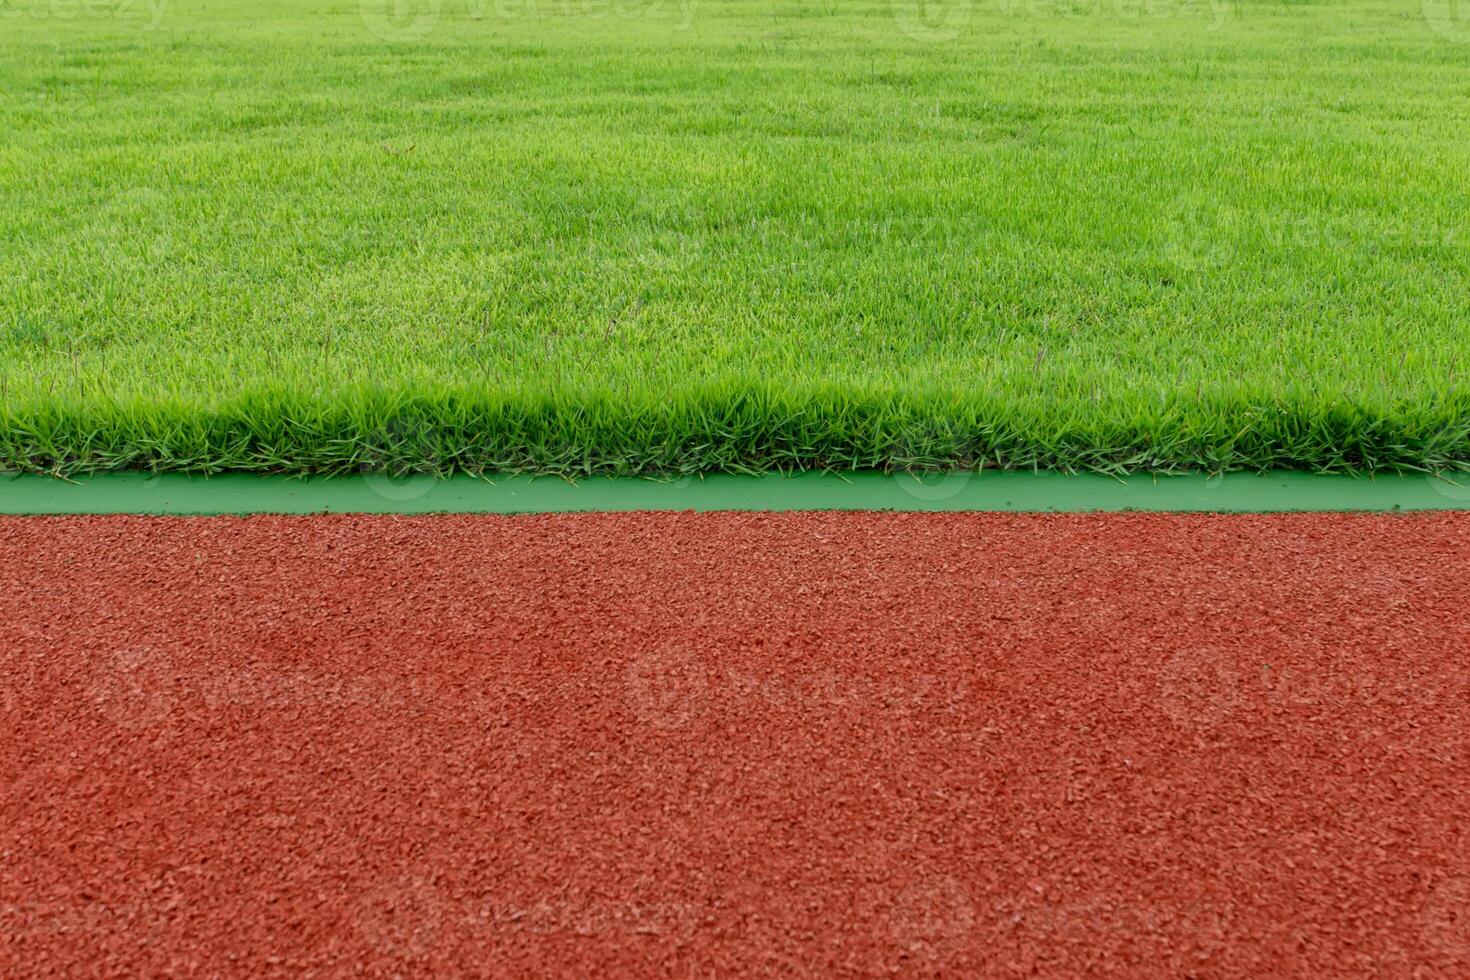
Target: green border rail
{"x": 989, "y": 490}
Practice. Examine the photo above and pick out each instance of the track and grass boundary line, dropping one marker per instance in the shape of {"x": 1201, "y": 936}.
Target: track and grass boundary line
{"x": 372, "y": 493}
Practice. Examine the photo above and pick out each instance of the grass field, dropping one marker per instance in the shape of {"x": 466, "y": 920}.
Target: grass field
{"x": 584, "y": 236}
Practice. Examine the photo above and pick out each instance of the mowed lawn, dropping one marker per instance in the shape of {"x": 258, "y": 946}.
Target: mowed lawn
{"x": 673, "y": 235}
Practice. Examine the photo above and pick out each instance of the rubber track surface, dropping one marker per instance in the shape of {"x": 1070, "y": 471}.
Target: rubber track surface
{"x": 650, "y": 744}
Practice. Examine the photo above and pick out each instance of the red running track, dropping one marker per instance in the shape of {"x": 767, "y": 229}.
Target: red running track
{"x": 678, "y": 744}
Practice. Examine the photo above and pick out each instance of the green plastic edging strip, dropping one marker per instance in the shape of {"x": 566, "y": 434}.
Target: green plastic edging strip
{"x": 143, "y": 493}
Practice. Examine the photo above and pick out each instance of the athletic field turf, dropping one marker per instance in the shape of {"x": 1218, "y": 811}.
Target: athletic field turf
{"x": 631, "y": 235}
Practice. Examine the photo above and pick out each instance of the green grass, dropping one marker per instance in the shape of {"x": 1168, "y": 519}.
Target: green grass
{"x": 575, "y": 236}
